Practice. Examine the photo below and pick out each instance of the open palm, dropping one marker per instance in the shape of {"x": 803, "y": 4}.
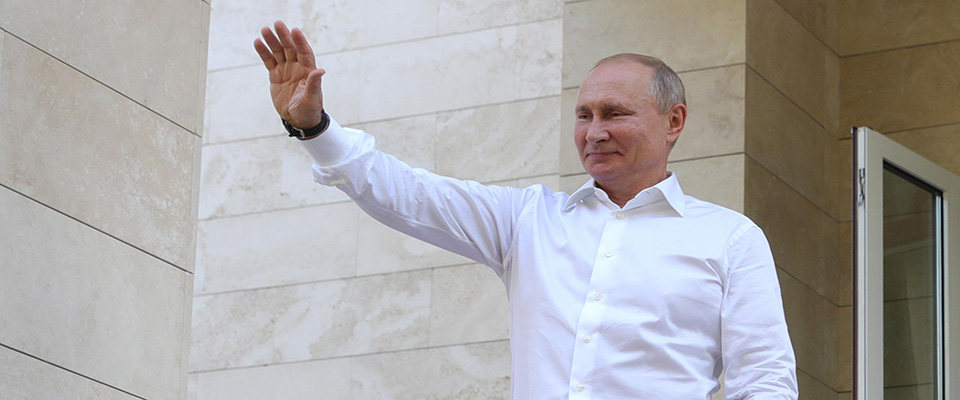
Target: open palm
{"x": 294, "y": 76}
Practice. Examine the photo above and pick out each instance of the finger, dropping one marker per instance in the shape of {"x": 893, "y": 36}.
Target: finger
{"x": 275, "y": 47}
{"x": 268, "y": 60}
{"x": 313, "y": 86}
{"x": 304, "y": 52}
{"x": 284, "y": 34}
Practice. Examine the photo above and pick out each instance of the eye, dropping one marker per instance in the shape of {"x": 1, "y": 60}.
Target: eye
{"x": 583, "y": 116}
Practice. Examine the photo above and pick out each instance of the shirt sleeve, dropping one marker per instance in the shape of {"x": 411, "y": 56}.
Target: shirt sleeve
{"x": 757, "y": 355}
{"x": 464, "y": 217}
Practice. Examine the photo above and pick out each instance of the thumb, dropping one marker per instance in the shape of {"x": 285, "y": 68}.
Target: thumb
{"x": 313, "y": 89}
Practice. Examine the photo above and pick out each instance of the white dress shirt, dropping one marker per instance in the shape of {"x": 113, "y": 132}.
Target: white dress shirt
{"x": 650, "y": 301}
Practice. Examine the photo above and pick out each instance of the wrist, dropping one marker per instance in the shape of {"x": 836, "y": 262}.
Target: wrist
{"x": 308, "y": 133}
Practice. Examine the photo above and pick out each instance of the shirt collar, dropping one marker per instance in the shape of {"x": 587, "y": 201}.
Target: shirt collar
{"x": 668, "y": 189}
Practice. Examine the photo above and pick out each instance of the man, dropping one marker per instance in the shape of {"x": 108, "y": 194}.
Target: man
{"x": 626, "y": 289}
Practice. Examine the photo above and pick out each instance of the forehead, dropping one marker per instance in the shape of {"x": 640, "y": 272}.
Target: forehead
{"x": 617, "y": 79}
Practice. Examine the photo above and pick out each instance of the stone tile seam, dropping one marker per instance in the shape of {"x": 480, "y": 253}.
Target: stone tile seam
{"x": 792, "y": 101}
{"x": 814, "y": 204}
{"x": 329, "y": 280}
{"x": 62, "y": 368}
{"x": 809, "y": 375}
{"x": 101, "y": 83}
{"x": 394, "y": 43}
{"x": 908, "y": 47}
{"x": 906, "y": 130}
{"x": 787, "y": 272}
{"x": 358, "y": 355}
{"x": 502, "y": 182}
{"x": 96, "y": 229}
{"x": 280, "y": 133}
{"x": 712, "y": 67}
{"x": 797, "y": 20}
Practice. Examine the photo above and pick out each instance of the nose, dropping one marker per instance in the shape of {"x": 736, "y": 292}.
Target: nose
{"x": 596, "y": 132}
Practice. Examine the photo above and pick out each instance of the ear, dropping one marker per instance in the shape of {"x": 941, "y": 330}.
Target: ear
{"x": 676, "y": 119}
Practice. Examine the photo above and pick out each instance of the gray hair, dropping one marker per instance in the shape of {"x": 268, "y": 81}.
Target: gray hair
{"x": 665, "y": 87}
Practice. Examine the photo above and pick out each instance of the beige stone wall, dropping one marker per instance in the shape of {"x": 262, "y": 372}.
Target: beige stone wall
{"x": 299, "y": 295}
{"x": 100, "y": 118}
{"x": 818, "y": 68}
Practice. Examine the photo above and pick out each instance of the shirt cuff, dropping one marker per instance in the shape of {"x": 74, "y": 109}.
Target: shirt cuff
{"x": 330, "y": 147}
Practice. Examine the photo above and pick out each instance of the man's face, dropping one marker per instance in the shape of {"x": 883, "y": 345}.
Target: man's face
{"x": 622, "y": 139}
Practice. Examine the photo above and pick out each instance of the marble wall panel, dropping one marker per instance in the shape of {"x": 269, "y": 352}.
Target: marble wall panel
{"x": 870, "y": 25}
{"x": 454, "y": 72}
{"x": 100, "y": 158}
{"x": 569, "y": 156}
{"x": 940, "y": 144}
{"x": 311, "y": 321}
{"x": 475, "y": 371}
{"x": 259, "y": 175}
{"x": 238, "y": 105}
{"x": 277, "y": 248}
{"x": 381, "y": 249}
{"x": 406, "y": 79}
{"x": 814, "y": 324}
{"x": 326, "y": 379}
{"x": 718, "y": 180}
{"x": 344, "y": 25}
{"x": 413, "y": 140}
{"x": 685, "y": 34}
{"x": 504, "y": 141}
{"x": 715, "y": 117}
{"x": 469, "y": 305}
{"x": 901, "y": 89}
{"x": 818, "y": 16}
{"x": 812, "y": 389}
{"x": 23, "y": 378}
{"x": 158, "y": 73}
{"x": 793, "y": 60}
{"x": 715, "y": 113}
{"x": 464, "y": 15}
{"x": 793, "y": 146}
{"x": 805, "y": 241}
{"x": 84, "y": 301}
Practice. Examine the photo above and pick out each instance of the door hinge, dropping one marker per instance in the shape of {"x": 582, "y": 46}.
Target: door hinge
{"x": 862, "y": 194}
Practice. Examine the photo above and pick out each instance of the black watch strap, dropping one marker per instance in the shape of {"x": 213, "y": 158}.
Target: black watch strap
{"x": 310, "y": 132}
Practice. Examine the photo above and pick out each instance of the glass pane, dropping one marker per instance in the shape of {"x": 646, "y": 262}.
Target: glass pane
{"x": 911, "y": 295}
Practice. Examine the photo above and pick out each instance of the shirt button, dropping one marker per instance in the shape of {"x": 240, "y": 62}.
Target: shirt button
{"x": 597, "y": 297}
{"x": 608, "y": 254}
{"x": 619, "y": 215}
{"x": 587, "y": 339}
{"x": 580, "y": 387}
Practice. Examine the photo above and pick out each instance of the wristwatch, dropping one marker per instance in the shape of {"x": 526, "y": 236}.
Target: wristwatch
{"x": 310, "y": 132}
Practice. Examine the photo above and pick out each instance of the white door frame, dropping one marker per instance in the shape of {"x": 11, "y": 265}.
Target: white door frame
{"x": 873, "y": 150}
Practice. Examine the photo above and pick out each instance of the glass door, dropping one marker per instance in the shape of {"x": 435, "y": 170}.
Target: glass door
{"x": 907, "y": 331}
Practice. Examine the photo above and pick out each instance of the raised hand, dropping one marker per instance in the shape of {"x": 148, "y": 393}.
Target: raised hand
{"x": 294, "y": 76}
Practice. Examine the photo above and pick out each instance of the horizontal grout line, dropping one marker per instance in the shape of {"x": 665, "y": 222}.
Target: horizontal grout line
{"x": 95, "y": 228}
{"x": 499, "y": 182}
{"x": 790, "y": 99}
{"x": 280, "y": 133}
{"x": 328, "y": 280}
{"x": 446, "y": 346}
{"x": 62, "y": 368}
{"x": 906, "y": 130}
{"x": 708, "y": 68}
{"x": 815, "y": 205}
{"x": 815, "y": 36}
{"x": 255, "y": 35}
{"x": 912, "y": 46}
{"x": 100, "y": 82}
